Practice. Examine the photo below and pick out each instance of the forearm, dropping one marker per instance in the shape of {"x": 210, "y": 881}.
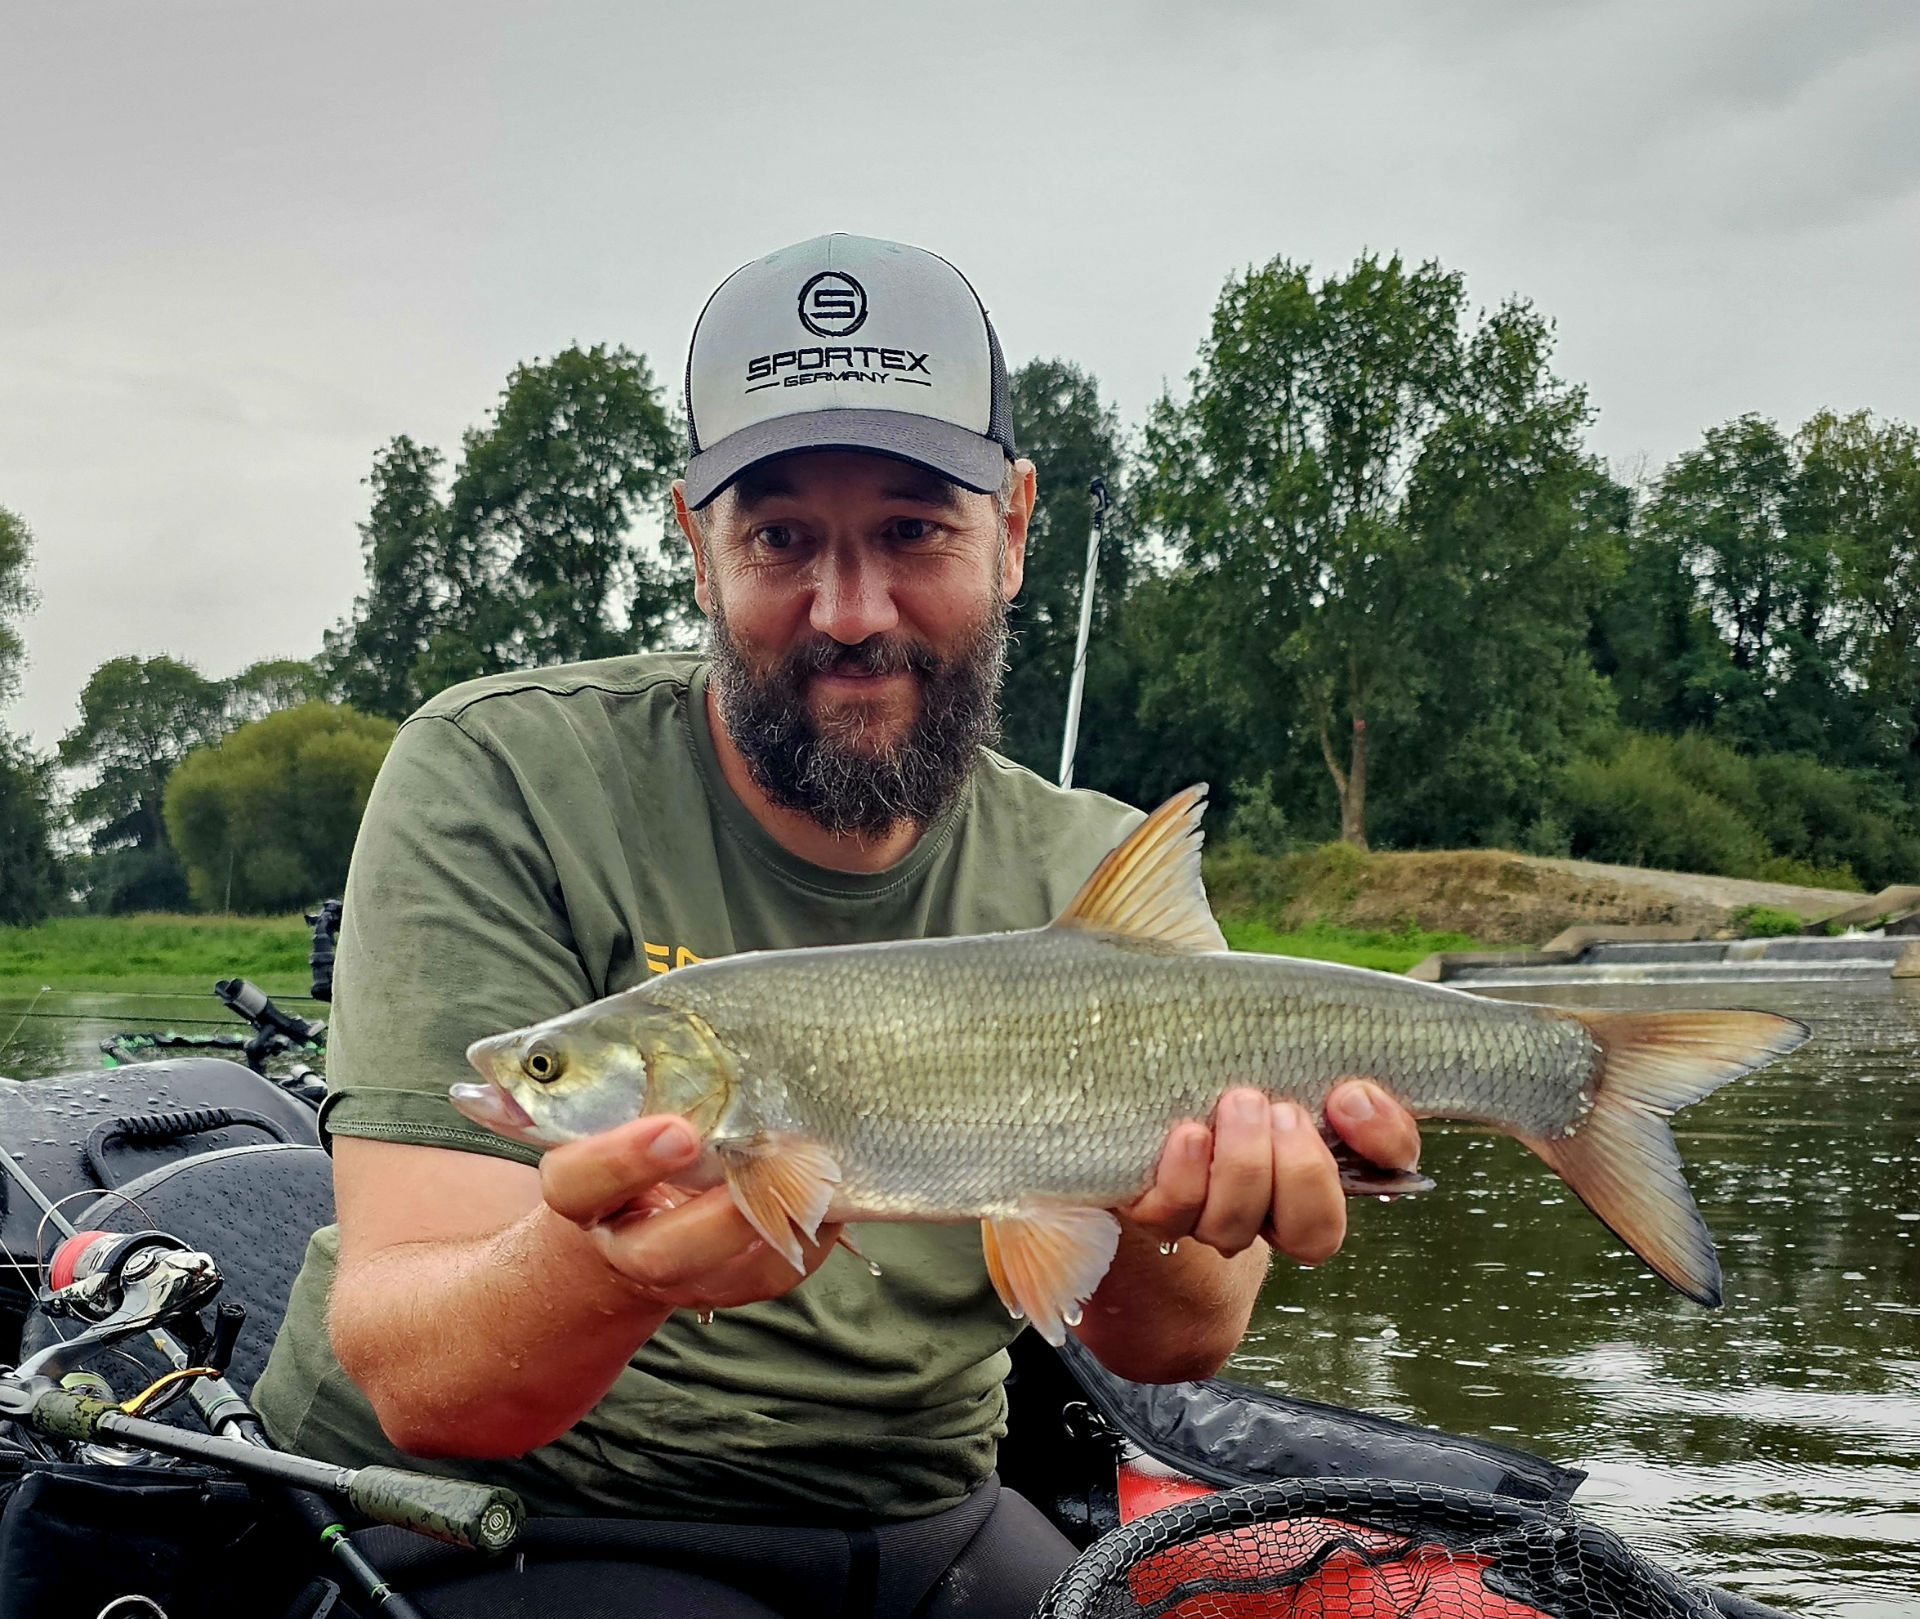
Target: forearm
{"x": 490, "y": 1345}
{"x": 1163, "y": 1318}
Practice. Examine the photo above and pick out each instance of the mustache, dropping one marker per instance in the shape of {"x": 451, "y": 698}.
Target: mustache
{"x": 877, "y": 655}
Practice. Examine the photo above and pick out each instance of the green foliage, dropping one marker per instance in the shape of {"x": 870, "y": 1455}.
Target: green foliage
{"x": 1391, "y": 950}
{"x": 17, "y": 597}
{"x": 527, "y": 558}
{"x": 1693, "y": 804}
{"x": 265, "y": 820}
{"x": 139, "y": 717}
{"x": 1860, "y": 489}
{"x": 375, "y": 654}
{"x": 267, "y": 687}
{"x": 1071, "y": 438}
{"x": 1766, "y": 922}
{"x": 203, "y": 948}
{"x": 1387, "y": 531}
{"x": 1256, "y": 820}
{"x": 30, "y": 876}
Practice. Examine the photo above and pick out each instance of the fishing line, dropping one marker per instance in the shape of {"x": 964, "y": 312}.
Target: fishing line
{"x": 45, "y": 989}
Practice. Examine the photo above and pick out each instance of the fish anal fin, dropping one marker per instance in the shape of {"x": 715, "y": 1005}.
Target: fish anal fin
{"x": 1149, "y": 887}
{"x": 782, "y": 1185}
{"x": 1046, "y": 1262}
{"x": 1621, "y": 1159}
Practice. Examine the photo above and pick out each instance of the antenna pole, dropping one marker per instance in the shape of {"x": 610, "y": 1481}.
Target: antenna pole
{"x": 1069, "y": 741}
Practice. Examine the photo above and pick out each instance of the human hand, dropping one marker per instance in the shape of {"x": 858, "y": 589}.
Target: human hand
{"x": 1263, "y": 1170}
{"x": 679, "y": 1248}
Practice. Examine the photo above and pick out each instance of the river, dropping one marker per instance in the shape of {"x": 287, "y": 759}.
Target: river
{"x": 1772, "y": 1446}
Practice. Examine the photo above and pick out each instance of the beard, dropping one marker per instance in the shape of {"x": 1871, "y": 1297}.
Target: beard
{"x": 833, "y": 771}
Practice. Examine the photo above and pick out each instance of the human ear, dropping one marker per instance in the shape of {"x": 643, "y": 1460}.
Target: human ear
{"x": 1013, "y": 567}
{"x": 697, "y": 540}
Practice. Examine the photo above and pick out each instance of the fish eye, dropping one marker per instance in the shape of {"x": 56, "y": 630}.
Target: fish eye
{"x": 543, "y": 1064}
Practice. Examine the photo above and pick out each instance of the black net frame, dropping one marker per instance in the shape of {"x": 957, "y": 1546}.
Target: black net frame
{"x": 1540, "y": 1556}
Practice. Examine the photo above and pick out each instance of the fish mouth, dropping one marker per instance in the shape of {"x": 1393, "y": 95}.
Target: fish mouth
{"x": 493, "y": 1106}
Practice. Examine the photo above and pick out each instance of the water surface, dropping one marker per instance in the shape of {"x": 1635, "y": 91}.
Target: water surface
{"x": 1773, "y": 1445}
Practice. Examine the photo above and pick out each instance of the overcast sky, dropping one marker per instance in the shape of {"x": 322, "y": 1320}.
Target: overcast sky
{"x": 242, "y": 245}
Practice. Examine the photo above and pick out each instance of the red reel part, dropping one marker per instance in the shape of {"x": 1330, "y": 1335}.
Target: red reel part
{"x": 68, "y": 1255}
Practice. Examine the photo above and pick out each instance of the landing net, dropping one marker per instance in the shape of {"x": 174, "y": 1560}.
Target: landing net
{"x": 1370, "y": 1549}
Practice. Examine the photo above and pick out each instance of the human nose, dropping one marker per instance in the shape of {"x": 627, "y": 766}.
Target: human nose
{"x": 852, "y": 597}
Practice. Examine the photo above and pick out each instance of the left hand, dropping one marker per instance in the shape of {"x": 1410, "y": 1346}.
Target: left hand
{"x": 1263, "y": 1170}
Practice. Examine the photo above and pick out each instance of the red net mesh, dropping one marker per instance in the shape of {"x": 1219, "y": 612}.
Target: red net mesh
{"x": 1366, "y": 1549}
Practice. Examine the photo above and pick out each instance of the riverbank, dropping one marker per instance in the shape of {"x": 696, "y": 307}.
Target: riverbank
{"x": 1494, "y": 896}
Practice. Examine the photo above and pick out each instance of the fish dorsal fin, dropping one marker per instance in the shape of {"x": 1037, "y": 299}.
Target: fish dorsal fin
{"x": 1149, "y": 886}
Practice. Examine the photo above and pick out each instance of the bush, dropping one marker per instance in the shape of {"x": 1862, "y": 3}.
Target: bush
{"x": 1689, "y": 803}
{"x": 1256, "y": 820}
{"x": 265, "y": 820}
{"x": 1636, "y": 809}
{"x": 1766, "y": 922}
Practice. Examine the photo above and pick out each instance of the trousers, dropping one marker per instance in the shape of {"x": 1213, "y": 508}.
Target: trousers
{"x": 991, "y": 1557}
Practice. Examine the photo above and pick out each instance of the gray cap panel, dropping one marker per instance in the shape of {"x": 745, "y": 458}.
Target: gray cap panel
{"x": 891, "y": 338}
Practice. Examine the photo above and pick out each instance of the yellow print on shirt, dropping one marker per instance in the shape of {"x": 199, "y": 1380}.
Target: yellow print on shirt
{"x": 661, "y": 958}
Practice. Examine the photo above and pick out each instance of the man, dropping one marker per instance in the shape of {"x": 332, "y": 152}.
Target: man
{"x": 574, "y": 1325}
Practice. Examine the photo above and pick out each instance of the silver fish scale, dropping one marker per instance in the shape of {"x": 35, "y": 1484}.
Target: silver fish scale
{"x": 957, "y": 1077}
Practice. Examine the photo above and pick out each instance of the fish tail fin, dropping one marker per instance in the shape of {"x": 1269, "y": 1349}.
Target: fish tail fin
{"x": 1621, "y": 1159}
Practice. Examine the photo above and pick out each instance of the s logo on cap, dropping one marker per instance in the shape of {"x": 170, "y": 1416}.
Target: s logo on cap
{"x": 833, "y": 305}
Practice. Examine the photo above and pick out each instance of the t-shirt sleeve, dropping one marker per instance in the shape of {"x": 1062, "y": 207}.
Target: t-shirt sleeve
{"x": 452, "y": 929}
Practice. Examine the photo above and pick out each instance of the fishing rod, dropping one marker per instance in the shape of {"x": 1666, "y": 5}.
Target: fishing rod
{"x": 1096, "y": 532}
{"x": 129, "y": 1286}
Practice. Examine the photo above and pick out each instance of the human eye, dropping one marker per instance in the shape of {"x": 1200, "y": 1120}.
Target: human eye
{"x": 913, "y": 530}
{"x": 773, "y": 537}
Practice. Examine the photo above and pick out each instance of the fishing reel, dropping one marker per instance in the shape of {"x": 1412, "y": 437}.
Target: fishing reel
{"x": 120, "y": 1285}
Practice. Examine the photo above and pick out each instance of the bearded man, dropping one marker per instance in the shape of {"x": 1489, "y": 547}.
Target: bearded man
{"x": 572, "y": 1325}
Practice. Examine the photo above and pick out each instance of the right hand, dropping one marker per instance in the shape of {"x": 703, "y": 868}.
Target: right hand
{"x": 678, "y": 1249}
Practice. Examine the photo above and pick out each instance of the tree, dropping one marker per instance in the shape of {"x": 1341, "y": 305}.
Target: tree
{"x": 17, "y": 598}
{"x": 1733, "y": 515}
{"x": 536, "y": 552}
{"x": 270, "y": 685}
{"x": 30, "y": 875}
{"x": 1071, "y": 438}
{"x": 374, "y": 655}
{"x": 139, "y": 717}
{"x": 265, "y": 820}
{"x": 1860, "y": 492}
{"x": 1382, "y": 513}
{"x": 529, "y": 557}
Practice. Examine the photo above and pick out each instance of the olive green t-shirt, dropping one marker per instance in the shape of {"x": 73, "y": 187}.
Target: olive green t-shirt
{"x": 535, "y": 841}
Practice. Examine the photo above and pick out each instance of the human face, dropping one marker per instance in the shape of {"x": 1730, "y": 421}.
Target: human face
{"x": 858, "y": 609}
{"x": 847, "y": 547}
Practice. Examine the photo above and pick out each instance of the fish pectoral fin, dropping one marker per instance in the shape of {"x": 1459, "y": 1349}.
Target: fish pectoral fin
{"x": 1621, "y": 1159}
{"x": 1149, "y": 886}
{"x": 1046, "y": 1262}
{"x": 1361, "y": 1177}
{"x": 782, "y": 1184}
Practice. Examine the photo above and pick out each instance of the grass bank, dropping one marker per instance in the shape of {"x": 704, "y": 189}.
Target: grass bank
{"x": 182, "y": 955}
{"x": 111, "y": 952}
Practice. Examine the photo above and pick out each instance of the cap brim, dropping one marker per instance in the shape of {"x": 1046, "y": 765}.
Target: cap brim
{"x": 969, "y": 459}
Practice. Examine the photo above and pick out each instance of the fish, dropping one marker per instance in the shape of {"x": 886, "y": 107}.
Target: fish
{"x": 1028, "y": 1079}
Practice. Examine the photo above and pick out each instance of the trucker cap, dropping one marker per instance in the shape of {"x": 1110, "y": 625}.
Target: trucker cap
{"x": 846, "y": 343}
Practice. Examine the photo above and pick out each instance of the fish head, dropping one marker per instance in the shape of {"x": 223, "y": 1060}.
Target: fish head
{"x": 588, "y": 1071}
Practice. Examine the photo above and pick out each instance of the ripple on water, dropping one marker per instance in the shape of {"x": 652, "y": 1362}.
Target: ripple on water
{"x": 1772, "y": 1446}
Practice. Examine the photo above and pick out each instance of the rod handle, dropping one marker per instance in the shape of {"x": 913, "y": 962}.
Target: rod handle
{"x": 483, "y": 1516}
